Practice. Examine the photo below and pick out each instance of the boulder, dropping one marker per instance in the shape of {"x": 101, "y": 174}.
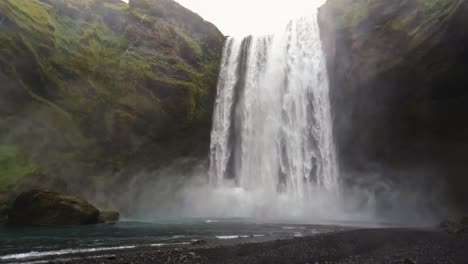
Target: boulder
{"x": 464, "y": 221}
{"x": 44, "y": 208}
{"x": 5, "y": 201}
{"x": 464, "y": 225}
{"x": 409, "y": 261}
{"x": 449, "y": 226}
{"x": 199, "y": 242}
{"x": 108, "y": 217}
{"x": 3, "y": 213}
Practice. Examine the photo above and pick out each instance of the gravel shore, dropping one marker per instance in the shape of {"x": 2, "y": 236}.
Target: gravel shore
{"x": 366, "y": 246}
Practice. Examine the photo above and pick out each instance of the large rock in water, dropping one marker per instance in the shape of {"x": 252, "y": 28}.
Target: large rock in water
{"x": 108, "y": 217}
{"x": 51, "y": 209}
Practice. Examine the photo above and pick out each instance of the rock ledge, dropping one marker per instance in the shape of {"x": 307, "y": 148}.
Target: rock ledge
{"x": 45, "y": 208}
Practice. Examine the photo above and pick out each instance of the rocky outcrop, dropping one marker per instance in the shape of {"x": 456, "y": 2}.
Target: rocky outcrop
{"x": 43, "y": 208}
{"x": 108, "y": 217}
{"x": 398, "y": 74}
{"x": 464, "y": 221}
{"x": 3, "y": 212}
{"x": 98, "y": 86}
{"x": 455, "y": 227}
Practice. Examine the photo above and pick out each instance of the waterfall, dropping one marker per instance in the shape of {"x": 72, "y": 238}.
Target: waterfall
{"x": 272, "y": 125}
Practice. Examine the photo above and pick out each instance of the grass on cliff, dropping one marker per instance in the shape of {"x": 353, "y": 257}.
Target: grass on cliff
{"x": 428, "y": 15}
{"x": 96, "y": 78}
{"x": 33, "y": 16}
{"x": 417, "y": 24}
{"x": 13, "y": 166}
{"x": 424, "y": 13}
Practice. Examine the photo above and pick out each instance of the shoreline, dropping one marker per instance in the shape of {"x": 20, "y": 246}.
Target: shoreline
{"x": 362, "y": 246}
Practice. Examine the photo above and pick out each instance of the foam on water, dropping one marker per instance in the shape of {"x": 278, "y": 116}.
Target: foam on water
{"x": 35, "y": 254}
{"x": 170, "y": 244}
{"x": 61, "y": 260}
{"x": 228, "y": 237}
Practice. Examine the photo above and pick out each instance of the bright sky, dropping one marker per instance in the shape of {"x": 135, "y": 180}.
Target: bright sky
{"x": 244, "y": 17}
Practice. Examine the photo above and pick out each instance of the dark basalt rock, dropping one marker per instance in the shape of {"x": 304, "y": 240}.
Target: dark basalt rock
{"x": 464, "y": 221}
{"x": 397, "y": 86}
{"x": 199, "y": 242}
{"x": 450, "y": 227}
{"x": 3, "y": 213}
{"x": 409, "y": 261}
{"x": 44, "y": 208}
{"x": 108, "y": 217}
{"x": 454, "y": 227}
{"x": 463, "y": 225}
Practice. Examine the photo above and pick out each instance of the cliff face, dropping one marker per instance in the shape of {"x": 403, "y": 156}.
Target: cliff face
{"x": 90, "y": 87}
{"x": 398, "y": 73}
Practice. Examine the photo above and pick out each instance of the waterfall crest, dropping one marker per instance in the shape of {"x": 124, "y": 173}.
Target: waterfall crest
{"x": 272, "y": 125}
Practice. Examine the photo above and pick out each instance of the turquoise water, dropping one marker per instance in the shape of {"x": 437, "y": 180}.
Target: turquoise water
{"x": 20, "y": 243}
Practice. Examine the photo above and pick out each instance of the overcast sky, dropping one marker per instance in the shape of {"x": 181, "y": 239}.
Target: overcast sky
{"x": 244, "y": 17}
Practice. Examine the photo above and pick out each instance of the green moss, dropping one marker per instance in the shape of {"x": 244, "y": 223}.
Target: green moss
{"x": 30, "y": 15}
{"x": 13, "y": 166}
{"x": 194, "y": 45}
{"x": 424, "y": 16}
{"x": 102, "y": 74}
{"x": 414, "y": 27}
{"x": 140, "y": 15}
{"x": 117, "y": 6}
{"x": 41, "y": 100}
{"x": 359, "y": 10}
{"x": 431, "y": 15}
{"x": 350, "y": 13}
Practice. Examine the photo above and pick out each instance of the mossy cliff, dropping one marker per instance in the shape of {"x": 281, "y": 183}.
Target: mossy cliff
{"x": 398, "y": 72}
{"x": 89, "y": 88}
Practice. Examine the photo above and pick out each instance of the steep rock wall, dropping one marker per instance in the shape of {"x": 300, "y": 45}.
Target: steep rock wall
{"x": 91, "y": 88}
{"x": 398, "y": 73}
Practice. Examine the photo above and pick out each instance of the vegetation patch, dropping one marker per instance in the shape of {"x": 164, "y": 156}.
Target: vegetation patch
{"x": 103, "y": 85}
{"x": 13, "y": 166}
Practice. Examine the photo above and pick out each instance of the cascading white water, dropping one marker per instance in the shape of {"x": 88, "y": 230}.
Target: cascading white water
{"x": 272, "y": 151}
{"x": 272, "y": 129}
